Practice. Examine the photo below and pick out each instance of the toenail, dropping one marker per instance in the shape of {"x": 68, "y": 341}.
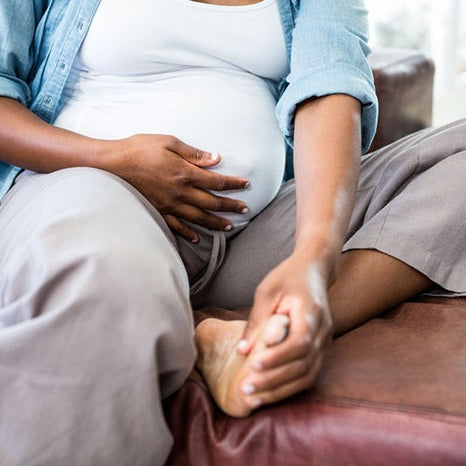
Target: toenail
{"x": 248, "y": 388}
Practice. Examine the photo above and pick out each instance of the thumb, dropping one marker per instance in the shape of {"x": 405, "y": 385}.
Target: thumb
{"x": 198, "y": 157}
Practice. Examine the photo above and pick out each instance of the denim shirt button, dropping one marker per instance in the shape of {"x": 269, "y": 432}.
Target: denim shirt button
{"x": 48, "y": 100}
{"x": 81, "y": 26}
{"x": 62, "y": 66}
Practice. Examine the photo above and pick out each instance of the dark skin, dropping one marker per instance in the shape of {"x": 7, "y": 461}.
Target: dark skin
{"x": 323, "y": 292}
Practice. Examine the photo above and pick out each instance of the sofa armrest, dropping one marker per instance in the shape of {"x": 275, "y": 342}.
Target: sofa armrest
{"x": 404, "y": 85}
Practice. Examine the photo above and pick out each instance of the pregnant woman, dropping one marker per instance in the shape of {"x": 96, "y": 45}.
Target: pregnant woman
{"x": 143, "y": 148}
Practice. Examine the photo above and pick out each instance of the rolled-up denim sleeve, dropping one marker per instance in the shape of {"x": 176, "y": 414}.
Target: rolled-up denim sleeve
{"x": 18, "y": 20}
{"x": 329, "y": 56}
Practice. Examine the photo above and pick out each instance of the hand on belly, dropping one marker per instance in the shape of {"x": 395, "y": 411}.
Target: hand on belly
{"x": 229, "y": 114}
{"x": 173, "y": 176}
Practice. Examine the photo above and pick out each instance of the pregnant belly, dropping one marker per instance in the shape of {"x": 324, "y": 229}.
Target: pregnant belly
{"x": 234, "y": 117}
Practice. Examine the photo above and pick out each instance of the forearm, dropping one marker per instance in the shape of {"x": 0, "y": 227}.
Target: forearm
{"x": 327, "y": 152}
{"x": 31, "y": 143}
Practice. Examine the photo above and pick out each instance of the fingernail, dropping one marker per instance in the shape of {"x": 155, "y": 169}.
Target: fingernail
{"x": 228, "y": 228}
{"x": 255, "y": 402}
{"x": 242, "y": 345}
{"x": 257, "y": 365}
{"x": 214, "y": 156}
{"x": 248, "y": 388}
{"x": 195, "y": 240}
{"x": 246, "y": 185}
{"x": 245, "y": 210}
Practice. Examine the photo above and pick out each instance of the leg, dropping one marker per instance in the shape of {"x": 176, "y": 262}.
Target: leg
{"x": 410, "y": 206}
{"x": 367, "y": 278}
{"x": 92, "y": 293}
{"x": 389, "y": 282}
{"x": 396, "y": 245}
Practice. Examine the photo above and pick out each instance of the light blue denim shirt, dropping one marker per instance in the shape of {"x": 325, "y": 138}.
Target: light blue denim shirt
{"x": 326, "y": 43}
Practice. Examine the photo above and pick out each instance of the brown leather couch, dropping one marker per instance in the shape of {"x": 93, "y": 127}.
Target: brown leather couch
{"x": 391, "y": 392}
{"x": 404, "y": 84}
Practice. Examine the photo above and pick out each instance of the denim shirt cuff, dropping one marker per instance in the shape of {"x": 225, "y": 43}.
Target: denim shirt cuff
{"x": 343, "y": 79}
{"x": 15, "y": 89}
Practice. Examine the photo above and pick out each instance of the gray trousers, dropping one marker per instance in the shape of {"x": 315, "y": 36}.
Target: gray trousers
{"x": 95, "y": 292}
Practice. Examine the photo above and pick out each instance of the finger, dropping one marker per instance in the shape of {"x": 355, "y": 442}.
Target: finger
{"x": 180, "y": 228}
{"x": 206, "y": 179}
{"x": 286, "y": 390}
{"x": 293, "y": 348}
{"x": 206, "y": 200}
{"x": 192, "y": 154}
{"x": 269, "y": 380}
{"x": 202, "y": 217}
{"x": 265, "y": 303}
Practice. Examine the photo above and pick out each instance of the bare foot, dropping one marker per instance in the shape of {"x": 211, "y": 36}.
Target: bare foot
{"x": 223, "y": 369}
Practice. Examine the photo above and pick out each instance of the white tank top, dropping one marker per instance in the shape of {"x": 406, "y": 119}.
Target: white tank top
{"x": 203, "y": 73}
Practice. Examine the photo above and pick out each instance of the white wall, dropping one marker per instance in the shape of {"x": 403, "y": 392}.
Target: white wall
{"x": 437, "y": 27}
